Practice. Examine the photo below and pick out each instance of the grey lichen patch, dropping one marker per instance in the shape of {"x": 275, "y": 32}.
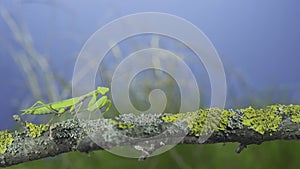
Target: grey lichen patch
{"x": 102, "y": 131}
{"x": 235, "y": 121}
{"x": 141, "y": 119}
{"x": 142, "y": 125}
{"x": 6, "y": 139}
{"x": 68, "y": 132}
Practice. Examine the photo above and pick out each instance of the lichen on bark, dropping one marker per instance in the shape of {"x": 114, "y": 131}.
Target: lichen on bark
{"x": 259, "y": 120}
{"x": 6, "y": 139}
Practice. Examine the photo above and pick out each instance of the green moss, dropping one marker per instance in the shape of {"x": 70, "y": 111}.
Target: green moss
{"x": 262, "y": 120}
{"x": 293, "y": 111}
{"x": 6, "y": 139}
{"x": 36, "y": 130}
{"x": 121, "y": 125}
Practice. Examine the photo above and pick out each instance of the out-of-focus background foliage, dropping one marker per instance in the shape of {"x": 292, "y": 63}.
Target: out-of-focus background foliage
{"x": 258, "y": 42}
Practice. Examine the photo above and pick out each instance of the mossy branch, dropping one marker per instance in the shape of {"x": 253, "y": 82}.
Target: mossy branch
{"x": 147, "y": 132}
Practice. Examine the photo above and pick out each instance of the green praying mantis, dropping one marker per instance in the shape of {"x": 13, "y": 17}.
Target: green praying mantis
{"x": 60, "y": 107}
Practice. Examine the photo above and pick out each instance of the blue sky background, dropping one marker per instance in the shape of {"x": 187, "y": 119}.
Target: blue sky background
{"x": 258, "y": 39}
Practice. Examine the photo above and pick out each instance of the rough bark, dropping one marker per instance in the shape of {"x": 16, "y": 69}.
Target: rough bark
{"x": 145, "y": 133}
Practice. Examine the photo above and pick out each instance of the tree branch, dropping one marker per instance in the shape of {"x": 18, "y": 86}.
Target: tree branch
{"x": 148, "y": 132}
